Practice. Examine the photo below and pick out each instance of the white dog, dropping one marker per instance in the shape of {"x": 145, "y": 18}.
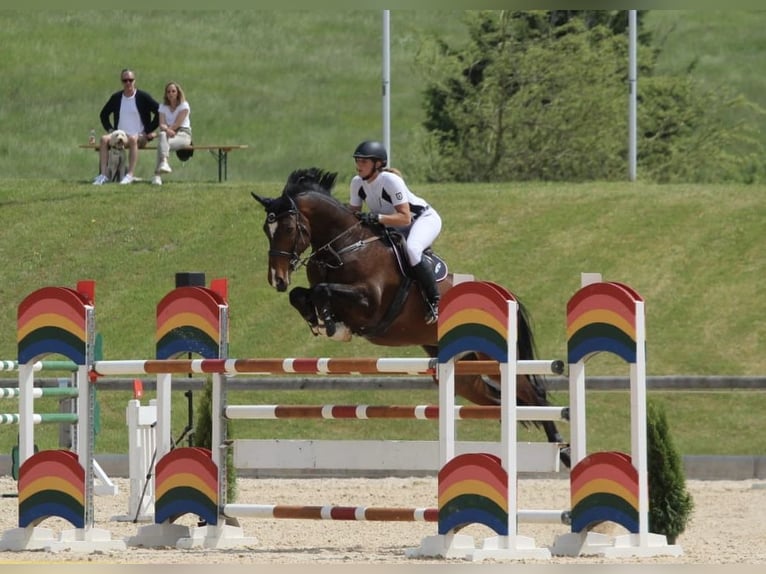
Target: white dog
{"x": 117, "y": 161}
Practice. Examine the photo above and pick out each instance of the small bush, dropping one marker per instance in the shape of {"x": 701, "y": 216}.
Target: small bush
{"x": 670, "y": 504}
{"x": 203, "y": 437}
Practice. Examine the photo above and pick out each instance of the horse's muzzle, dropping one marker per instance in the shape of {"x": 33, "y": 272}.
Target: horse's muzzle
{"x": 280, "y": 285}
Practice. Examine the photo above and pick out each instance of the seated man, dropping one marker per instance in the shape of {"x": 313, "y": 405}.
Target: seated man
{"x": 137, "y": 114}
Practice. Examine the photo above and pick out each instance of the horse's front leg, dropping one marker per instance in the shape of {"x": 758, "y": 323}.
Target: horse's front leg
{"x": 331, "y": 298}
{"x": 300, "y": 298}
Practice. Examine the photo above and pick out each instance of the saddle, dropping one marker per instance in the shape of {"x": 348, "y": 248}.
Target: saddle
{"x": 399, "y": 244}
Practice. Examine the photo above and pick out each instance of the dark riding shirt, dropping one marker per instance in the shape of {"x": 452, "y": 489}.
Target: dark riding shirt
{"x": 148, "y": 109}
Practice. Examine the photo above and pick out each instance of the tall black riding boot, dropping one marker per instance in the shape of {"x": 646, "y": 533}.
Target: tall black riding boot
{"x": 424, "y": 275}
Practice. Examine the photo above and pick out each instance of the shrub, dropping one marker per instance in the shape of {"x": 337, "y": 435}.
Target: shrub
{"x": 670, "y": 504}
{"x": 537, "y": 97}
{"x": 203, "y": 437}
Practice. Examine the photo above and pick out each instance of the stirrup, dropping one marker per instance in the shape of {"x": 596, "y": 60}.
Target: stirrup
{"x": 432, "y": 313}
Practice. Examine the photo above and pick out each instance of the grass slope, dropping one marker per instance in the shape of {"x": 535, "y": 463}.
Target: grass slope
{"x": 299, "y": 87}
{"x": 302, "y": 88}
{"x": 694, "y": 253}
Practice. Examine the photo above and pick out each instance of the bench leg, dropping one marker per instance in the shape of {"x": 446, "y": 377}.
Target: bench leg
{"x": 222, "y": 157}
{"x": 223, "y": 164}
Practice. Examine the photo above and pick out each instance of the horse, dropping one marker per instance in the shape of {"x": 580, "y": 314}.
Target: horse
{"x": 359, "y": 286}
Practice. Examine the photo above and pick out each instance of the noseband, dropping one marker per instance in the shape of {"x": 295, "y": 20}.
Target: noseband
{"x": 335, "y": 253}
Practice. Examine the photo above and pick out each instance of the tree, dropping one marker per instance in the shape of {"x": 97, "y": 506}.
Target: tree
{"x": 670, "y": 504}
{"x": 542, "y": 95}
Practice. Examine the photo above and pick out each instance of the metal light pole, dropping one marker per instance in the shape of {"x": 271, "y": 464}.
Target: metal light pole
{"x": 387, "y": 84}
{"x": 632, "y": 113}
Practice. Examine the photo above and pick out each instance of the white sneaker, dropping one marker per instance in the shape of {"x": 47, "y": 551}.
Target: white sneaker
{"x": 100, "y": 179}
{"x": 127, "y": 179}
{"x": 165, "y": 167}
{"x": 156, "y": 180}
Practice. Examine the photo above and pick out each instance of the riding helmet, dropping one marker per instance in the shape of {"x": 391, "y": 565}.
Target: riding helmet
{"x": 372, "y": 150}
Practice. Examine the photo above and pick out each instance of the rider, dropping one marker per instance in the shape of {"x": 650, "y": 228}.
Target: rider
{"x": 391, "y": 203}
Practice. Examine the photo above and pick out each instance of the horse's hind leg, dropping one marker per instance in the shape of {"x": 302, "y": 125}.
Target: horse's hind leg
{"x": 531, "y": 391}
{"x": 473, "y": 388}
{"x": 565, "y": 452}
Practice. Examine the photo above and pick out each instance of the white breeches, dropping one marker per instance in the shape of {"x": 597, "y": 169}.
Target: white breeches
{"x": 422, "y": 234}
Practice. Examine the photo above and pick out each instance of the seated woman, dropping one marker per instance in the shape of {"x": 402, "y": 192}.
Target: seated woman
{"x": 175, "y": 128}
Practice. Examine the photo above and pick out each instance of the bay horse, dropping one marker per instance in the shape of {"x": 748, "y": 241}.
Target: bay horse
{"x": 357, "y": 286}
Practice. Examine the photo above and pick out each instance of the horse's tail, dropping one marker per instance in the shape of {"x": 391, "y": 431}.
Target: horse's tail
{"x": 537, "y": 393}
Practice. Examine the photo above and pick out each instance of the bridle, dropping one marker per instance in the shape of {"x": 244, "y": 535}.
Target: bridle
{"x": 294, "y": 256}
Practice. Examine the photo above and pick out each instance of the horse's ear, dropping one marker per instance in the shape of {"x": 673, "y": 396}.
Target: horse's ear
{"x": 264, "y": 201}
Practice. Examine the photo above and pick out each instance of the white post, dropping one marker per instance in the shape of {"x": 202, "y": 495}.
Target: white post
{"x": 577, "y": 416}
{"x": 638, "y": 425}
{"x": 141, "y": 421}
{"x": 164, "y": 401}
{"x": 509, "y": 432}
{"x": 26, "y": 408}
{"x": 446, "y": 412}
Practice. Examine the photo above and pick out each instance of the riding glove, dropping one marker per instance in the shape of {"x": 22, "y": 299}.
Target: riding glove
{"x": 368, "y": 218}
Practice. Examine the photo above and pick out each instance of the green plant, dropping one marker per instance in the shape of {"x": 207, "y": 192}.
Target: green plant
{"x": 533, "y": 98}
{"x": 670, "y": 504}
{"x": 203, "y": 437}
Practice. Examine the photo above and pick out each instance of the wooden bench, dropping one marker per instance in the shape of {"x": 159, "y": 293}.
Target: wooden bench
{"x": 220, "y": 152}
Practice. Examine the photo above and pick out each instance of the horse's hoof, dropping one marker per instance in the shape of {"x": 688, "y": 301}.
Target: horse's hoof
{"x": 565, "y": 455}
{"x": 329, "y": 328}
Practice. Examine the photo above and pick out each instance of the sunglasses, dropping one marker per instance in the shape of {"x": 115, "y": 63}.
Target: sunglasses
{"x": 126, "y": 80}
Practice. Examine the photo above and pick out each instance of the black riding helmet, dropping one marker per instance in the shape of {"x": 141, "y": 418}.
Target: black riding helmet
{"x": 372, "y": 150}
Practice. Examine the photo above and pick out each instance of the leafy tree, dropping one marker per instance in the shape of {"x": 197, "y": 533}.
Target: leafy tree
{"x": 684, "y": 140}
{"x": 542, "y": 95}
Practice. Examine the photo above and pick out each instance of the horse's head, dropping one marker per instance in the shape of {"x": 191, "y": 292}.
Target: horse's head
{"x": 287, "y": 229}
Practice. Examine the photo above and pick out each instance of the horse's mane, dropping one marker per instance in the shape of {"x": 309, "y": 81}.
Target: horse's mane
{"x": 310, "y": 179}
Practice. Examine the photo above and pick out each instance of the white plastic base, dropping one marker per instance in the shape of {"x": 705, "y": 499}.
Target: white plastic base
{"x": 463, "y": 546}
{"x": 218, "y": 537}
{"x": 87, "y": 540}
{"x": 177, "y": 536}
{"x": 623, "y": 546}
{"x": 30, "y": 538}
{"x": 75, "y": 540}
{"x": 163, "y": 535}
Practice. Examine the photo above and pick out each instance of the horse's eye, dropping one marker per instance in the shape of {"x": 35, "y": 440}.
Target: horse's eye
{"x": 271, "y": 217}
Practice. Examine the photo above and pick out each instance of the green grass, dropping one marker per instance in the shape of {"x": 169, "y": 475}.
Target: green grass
{"x": 302, "y": 88}
{"x": 693, "y": 252}
{"x": 693, "y": 42}
{"x": 299, "y": 87}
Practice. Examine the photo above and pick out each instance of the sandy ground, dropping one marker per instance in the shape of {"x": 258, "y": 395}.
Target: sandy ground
{"x": 728, "y": 525}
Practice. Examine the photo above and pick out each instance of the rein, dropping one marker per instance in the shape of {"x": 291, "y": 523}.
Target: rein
{"x": 339, "y": 252}
{"x": 296, "y": 262}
